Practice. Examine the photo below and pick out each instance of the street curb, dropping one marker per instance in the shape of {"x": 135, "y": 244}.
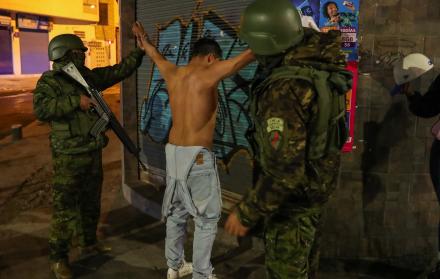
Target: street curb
{"x": 141, "y": 203}
{"x": 7, "y": 93}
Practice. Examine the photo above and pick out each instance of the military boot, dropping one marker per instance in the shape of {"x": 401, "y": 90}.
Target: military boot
{"x": 61, "y": 270}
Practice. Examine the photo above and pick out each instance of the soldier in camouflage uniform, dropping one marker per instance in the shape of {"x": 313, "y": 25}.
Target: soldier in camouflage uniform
{"x": 298, "y": 110}
{"x": 76, "y": 155}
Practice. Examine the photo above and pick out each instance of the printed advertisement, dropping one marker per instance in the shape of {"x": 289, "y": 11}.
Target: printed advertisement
{"x": 351, "y": 106}
{"x": 342, "y": 15}
{"x": 339, "y": 15}
{"x": 309, "y": 10}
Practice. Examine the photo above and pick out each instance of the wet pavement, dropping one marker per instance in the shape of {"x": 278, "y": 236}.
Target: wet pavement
{"x": 16, "y": 107}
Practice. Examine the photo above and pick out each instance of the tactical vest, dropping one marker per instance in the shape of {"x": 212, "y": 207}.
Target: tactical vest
{"x": 70, "y": 135}
{"x": 328, "y": 130}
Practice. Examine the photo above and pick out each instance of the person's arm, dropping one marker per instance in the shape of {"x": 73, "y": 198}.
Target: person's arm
{"x": 49, "y": 105}
{"x": 226, "y": 68}
{"x": 428, "y": 105}
{"x": 287, "y": 166}
{"x": 106, "y": 77}
{"x": 166, "y": 68}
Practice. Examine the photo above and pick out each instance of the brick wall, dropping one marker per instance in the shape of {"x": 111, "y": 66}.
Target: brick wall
{"x": 385, "y": 207}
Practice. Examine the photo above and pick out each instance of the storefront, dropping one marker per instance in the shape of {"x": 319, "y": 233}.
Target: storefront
{"x": 34, "y": 40}
{"x": 6, "y": 58}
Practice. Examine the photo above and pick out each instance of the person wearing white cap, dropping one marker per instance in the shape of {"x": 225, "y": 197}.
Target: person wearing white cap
{"x": 427, "y": 105}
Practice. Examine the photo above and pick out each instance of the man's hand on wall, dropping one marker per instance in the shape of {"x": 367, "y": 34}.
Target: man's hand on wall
{"x": 140, "y": 34}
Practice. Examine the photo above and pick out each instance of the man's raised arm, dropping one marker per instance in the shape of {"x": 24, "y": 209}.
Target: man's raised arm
{"x": 166, "y": 68}
{"x": 226, "y": 68}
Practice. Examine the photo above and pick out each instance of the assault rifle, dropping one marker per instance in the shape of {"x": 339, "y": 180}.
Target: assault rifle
{"x": 106, "y": 117}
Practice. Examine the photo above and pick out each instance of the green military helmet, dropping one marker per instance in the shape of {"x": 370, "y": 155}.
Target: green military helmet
{"x": 271, "y": 27}
{"x": 61, "y": 44}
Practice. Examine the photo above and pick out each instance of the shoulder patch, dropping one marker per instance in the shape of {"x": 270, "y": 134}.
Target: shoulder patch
{"x": 275, "y": 124}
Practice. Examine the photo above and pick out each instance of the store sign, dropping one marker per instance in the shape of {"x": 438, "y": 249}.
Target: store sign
{"x": 5, "y": 20}
{"x": 33, "y": 22}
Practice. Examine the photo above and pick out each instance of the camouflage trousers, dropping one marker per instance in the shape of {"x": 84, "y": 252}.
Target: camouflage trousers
{"x": 77, "y": 184}
{"x": 292, "y": 244}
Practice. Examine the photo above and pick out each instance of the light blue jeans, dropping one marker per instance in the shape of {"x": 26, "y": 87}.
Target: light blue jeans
{"x": 193, "y": 189}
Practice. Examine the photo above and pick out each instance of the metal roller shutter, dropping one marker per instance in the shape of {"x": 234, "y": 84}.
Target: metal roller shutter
{"x": 33, "y": 50}
{"x": 6, "y": 66}
{"x": 174, "y": 25}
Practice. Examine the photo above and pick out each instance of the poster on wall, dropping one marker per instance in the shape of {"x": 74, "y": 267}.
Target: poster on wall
{"x": 309, "y": 10}
{"x": 352, "y": 66}
{"x": 342, "y": 15}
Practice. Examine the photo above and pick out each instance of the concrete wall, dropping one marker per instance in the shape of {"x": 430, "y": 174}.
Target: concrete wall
{"x": 62, "y": 27}
{"x": 385, "y": 207}
{"x": 16, "y": 49}
{"x": 107, "y": 33}
{"x": 73, "y": 9}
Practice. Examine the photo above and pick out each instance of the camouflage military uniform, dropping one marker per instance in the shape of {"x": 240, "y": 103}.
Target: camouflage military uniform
{"x": 292, "y": 186}
{"x": 77, "y": 178}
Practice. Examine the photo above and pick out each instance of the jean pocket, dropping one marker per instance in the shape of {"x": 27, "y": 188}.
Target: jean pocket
{"x": 200, "y": 185}
{"x": 203, "y": 190}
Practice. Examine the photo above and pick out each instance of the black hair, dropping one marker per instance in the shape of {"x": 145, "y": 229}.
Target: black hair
{"x": 205, "y": 46}
{"x": 325, "y": 8}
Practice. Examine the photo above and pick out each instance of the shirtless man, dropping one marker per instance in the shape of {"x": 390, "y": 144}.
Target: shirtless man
{"x": 193, "y": 186}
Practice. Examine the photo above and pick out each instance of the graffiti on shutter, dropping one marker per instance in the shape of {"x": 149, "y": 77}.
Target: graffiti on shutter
{"x": 174, "y": 41}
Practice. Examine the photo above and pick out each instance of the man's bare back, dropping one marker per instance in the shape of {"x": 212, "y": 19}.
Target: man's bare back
{"x": 192, "y": 89}
{"x": 193, "y": 107}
